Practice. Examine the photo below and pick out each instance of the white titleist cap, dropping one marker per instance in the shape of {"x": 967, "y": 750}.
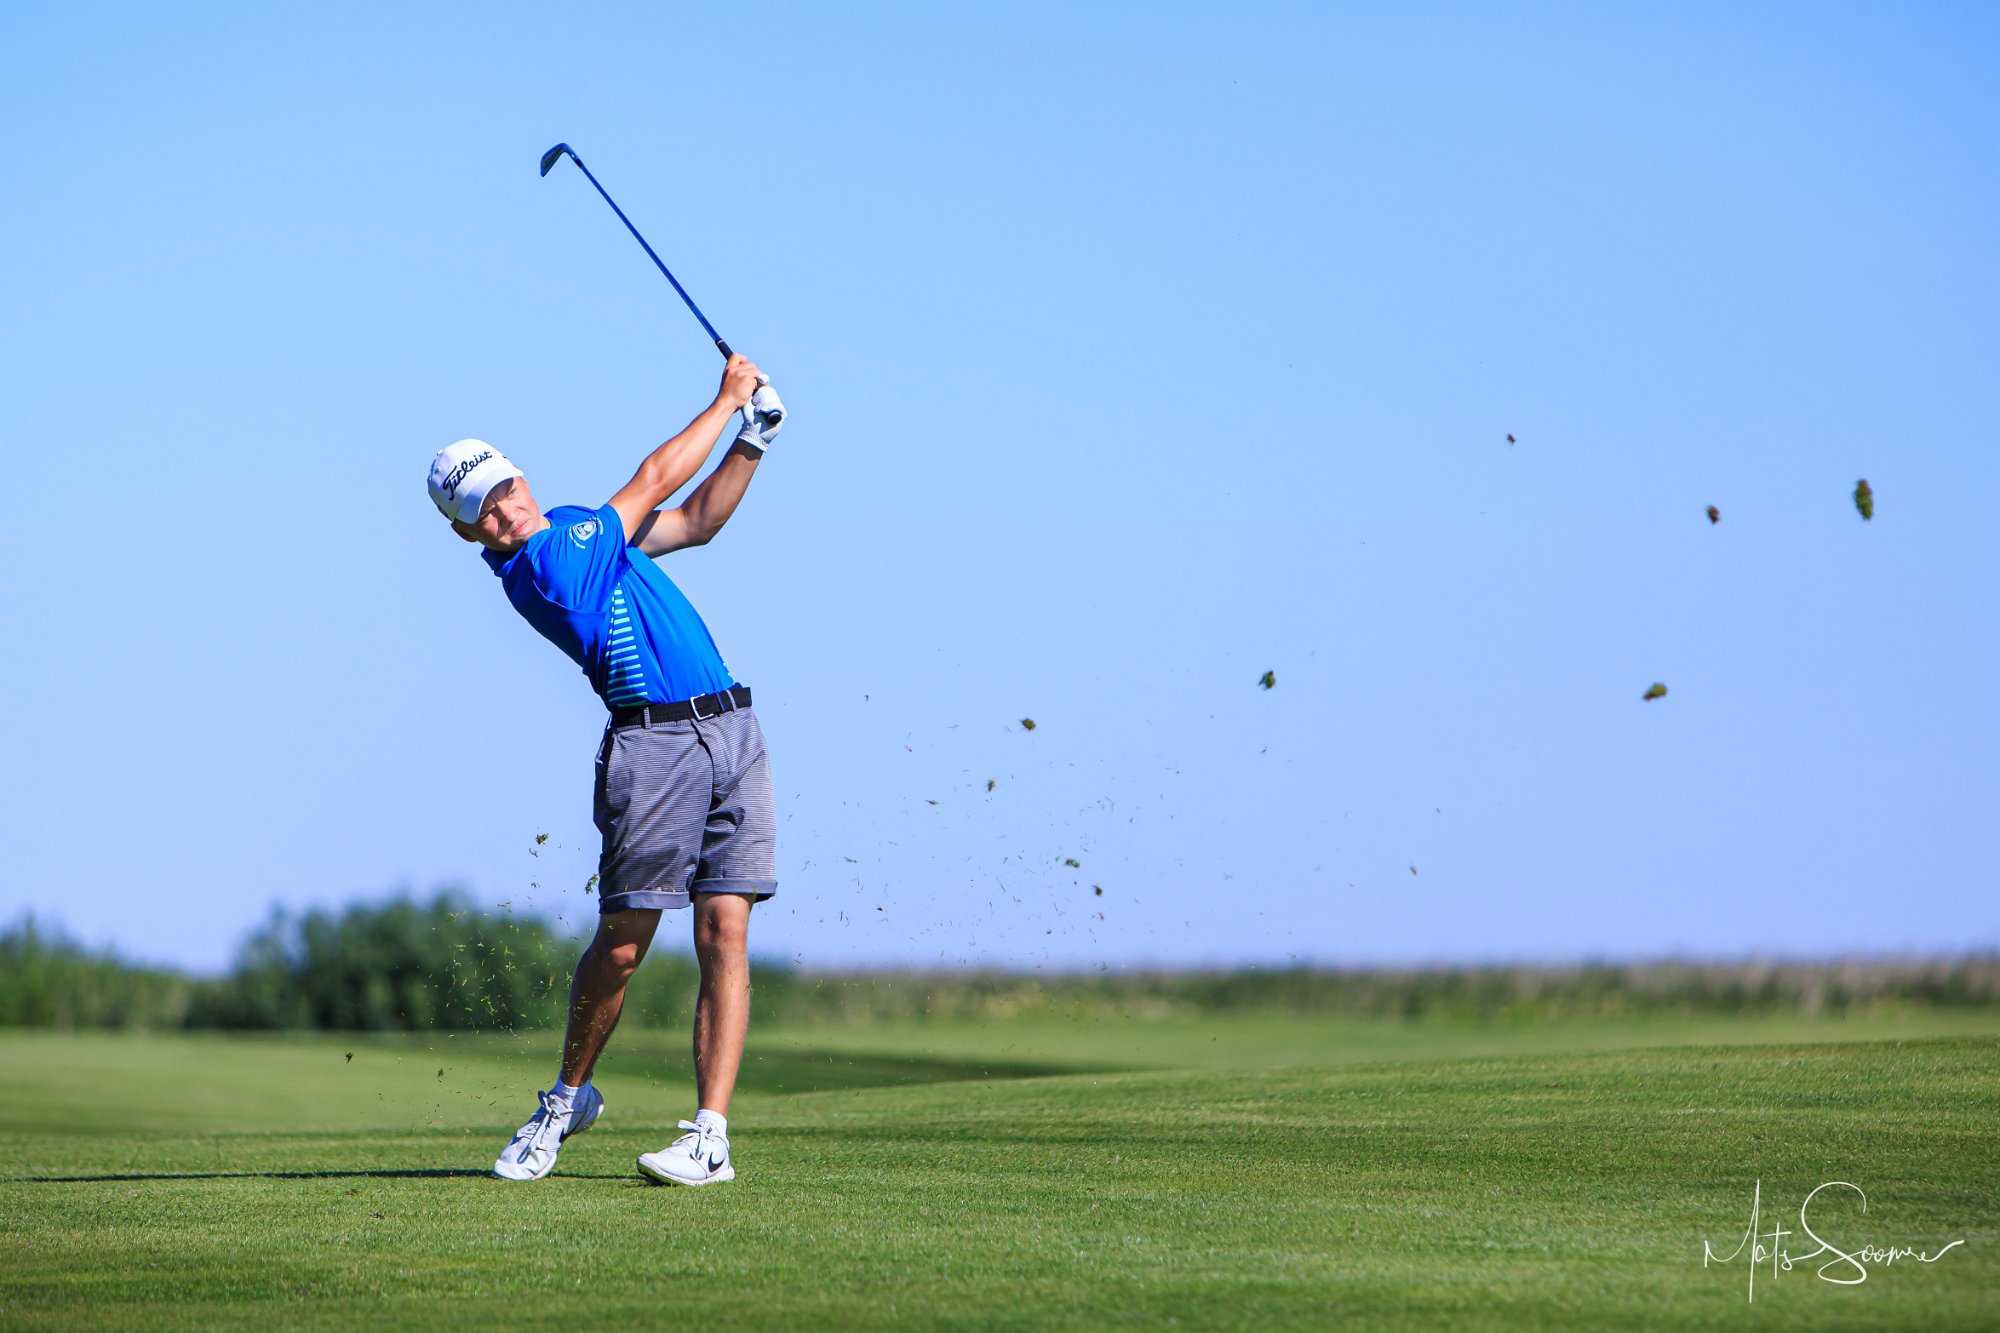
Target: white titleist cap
{"x": 464, "y": 474}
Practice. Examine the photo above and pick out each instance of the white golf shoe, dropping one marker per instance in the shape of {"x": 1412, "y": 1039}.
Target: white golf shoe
{"x": 699, "y": 1157}
{"x": 532, "y": 1154}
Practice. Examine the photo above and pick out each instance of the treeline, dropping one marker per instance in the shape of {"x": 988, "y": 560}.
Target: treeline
{"x": 399, "y": 966}
{"x": 443, "y": 964}
{"x": 1495, "y": 994}
{"x": 46, "y": 981}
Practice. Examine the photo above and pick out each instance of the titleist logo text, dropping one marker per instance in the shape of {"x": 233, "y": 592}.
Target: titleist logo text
{"x": 459, "y": 473}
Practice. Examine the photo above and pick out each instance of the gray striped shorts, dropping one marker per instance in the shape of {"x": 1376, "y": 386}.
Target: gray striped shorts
{"x": 685, "y": 807}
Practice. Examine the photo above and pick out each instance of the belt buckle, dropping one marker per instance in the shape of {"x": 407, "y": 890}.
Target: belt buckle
{"x": 694, "y": 707}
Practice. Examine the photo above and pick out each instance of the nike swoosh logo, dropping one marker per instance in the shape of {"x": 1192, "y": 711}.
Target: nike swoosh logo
{"x": 716, "y": 1162}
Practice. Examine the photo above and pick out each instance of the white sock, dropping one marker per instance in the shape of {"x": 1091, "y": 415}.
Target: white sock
{"x": 714, "y": 1122}
{"x": 566, "y": 1092}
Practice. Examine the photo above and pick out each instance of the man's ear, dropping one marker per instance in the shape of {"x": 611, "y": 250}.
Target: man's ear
{"x": 463, "y": 531}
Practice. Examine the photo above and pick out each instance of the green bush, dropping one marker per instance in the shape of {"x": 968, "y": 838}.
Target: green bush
{"x": 47, "y": 980}
{"x": 397, "y": 966}
{"x": 402, "y": 965}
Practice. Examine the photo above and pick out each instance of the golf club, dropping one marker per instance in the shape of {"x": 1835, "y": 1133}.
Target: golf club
{"x": 766, "y": 400}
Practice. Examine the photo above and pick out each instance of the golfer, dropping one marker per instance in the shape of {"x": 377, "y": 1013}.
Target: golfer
{"x": 683, "y": 787}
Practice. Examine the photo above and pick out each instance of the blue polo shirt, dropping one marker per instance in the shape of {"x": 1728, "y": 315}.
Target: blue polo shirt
{"x": 611, "y": 610}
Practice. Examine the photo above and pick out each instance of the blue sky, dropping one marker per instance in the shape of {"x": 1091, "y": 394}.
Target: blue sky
{"x": 1132, "y": 352}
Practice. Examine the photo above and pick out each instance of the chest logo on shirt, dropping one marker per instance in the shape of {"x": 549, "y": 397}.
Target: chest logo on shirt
{"x": 583, "y": 532}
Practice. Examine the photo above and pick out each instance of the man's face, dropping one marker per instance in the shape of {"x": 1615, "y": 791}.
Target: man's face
{"x": 506, "y": 520}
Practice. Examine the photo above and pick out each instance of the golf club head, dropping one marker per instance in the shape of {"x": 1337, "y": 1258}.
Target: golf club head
{"x": 550, "y": 158}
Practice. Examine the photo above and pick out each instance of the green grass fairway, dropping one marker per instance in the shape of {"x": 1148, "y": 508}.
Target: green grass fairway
{"x": 1266, "y": 1172}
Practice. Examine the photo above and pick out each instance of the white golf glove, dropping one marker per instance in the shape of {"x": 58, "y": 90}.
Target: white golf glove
{"x": 763, "y": 416}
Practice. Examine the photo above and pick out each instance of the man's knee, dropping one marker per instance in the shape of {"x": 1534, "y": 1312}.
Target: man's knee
{"x": 721, "y": 926}
{"x": 624, "y": 957}
{"x": 623, "y": 937}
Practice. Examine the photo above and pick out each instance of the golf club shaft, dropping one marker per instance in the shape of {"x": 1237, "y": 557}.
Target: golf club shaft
{"x": 721, "y": 346}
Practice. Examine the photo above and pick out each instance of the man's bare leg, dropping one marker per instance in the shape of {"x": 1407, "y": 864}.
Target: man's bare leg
{"x": 721, "y": 1018}
{"x": 597, "y": 995}
{"x": 722, "y": 1006}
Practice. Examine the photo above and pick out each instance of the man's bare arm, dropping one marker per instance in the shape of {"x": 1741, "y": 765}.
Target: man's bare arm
{"x": 668, "y": 467}
{"x": 696, "y": 521}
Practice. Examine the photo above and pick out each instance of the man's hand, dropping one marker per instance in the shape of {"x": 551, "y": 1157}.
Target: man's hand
{"x": 763, "y": 416}
{"x": 740, "y": 379}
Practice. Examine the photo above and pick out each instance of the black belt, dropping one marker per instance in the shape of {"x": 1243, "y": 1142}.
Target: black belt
{"x": 707, "y": 705}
